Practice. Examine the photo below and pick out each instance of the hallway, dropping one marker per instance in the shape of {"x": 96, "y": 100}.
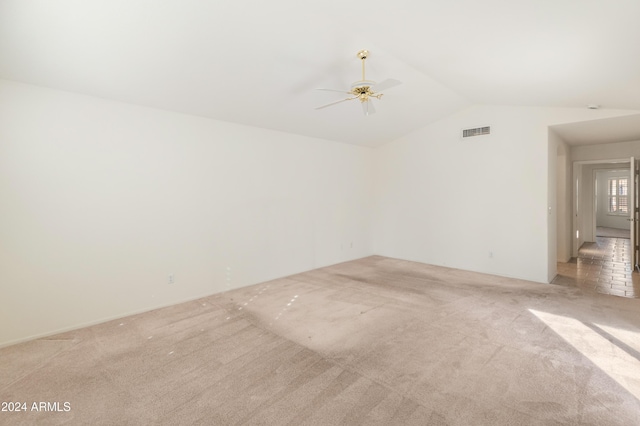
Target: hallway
{"x": 602, "y": 266}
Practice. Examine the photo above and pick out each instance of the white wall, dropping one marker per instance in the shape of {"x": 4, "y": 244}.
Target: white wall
{"x": 587, "y": 203}
{"x": 609, "y": 151}
{"x": 484, "y": 204}
{"x": 552, "y": 204}
{"x": 101, "y": 201}
{"x": 603, "y": 218}
{"x": 563, "y": 197}
{"x": 476, "y": 204}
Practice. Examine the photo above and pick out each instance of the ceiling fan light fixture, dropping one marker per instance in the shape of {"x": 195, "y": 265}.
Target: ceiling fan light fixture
{"x": 364, "y": 89}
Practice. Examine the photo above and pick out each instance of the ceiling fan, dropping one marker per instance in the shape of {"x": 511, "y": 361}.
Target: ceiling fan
{"x": 364, "y": 90}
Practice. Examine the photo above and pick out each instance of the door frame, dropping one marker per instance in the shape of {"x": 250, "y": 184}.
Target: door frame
{"x": 623, "y": 171}
{"x": 577, "y": 218}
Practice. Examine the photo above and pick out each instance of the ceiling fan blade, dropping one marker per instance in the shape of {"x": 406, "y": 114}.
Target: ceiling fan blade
{"x": 367, "y": 108}
{"x": 334, "y": 103}
{"x": 335, "y": 90}
{"x": 387, "y": 84}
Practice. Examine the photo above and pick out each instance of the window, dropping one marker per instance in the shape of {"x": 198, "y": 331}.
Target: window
{"x": 618, "y": 196}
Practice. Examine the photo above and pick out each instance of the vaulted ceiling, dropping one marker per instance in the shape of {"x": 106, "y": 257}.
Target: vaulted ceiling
{"x": 258, "y": 63}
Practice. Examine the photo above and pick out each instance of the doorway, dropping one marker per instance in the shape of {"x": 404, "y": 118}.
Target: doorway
{"x": 602, "y": 263}
{"x": 577, "y": 146}
{"x": 595, "y": 202}
{"x": 612, "y": 203}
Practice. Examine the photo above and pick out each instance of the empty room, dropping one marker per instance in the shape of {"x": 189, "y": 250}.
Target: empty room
{"x": 339, "y": 213}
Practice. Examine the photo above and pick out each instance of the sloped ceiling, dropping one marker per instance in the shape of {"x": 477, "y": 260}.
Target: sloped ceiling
{"x": 603, "y": 131}
{"x": 258, "y": 63}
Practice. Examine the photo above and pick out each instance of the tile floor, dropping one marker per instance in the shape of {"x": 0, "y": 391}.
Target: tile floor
{"x": 603, "y": 266}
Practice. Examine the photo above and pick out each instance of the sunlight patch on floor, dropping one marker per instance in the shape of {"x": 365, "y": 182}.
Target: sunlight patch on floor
{"x": 613, "y": 350}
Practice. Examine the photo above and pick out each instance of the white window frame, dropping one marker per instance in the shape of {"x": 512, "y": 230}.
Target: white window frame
{"x": 617, "y": 196}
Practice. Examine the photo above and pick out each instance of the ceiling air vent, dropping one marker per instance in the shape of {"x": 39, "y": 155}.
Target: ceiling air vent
{"x": 477, "y": 131}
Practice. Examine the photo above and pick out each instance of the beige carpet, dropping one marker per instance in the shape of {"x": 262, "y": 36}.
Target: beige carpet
{"x": 376, "y": 341}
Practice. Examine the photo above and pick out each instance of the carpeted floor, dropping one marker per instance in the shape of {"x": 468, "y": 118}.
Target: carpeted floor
{"x": 376, "y": 341}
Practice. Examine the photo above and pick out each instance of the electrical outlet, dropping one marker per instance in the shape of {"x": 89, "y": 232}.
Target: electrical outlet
{"x": 172, "y": 279}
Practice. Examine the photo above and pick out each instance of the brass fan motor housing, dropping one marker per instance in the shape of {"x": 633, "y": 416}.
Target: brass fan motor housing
{"x": 362, "y": 90}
